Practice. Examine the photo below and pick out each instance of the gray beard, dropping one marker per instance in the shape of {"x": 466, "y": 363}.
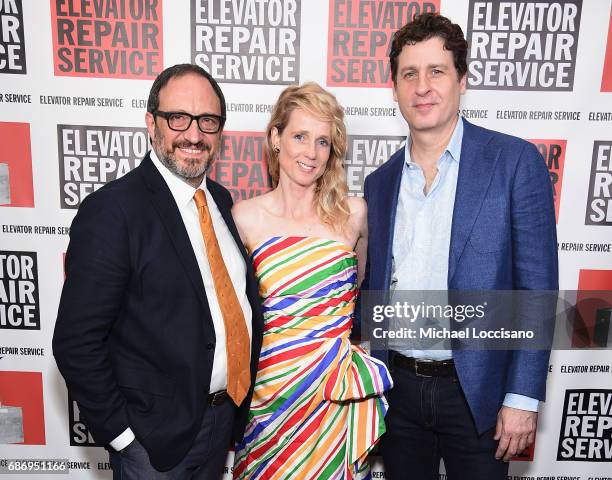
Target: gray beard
{"x": 191, "y": 174}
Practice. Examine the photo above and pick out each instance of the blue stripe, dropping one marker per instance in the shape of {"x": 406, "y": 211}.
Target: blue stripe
{"x": 303, "y": 386}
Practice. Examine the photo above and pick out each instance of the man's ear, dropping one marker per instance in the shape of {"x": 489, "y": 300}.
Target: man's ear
{"x": 463, "y": 83}
{"x": 150, "y": 121}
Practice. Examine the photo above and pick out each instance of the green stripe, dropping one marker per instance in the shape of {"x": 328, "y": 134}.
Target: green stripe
{"x": 281, "y": 399}
{"x": 280, "y": 375}
{"x": 320, "y": 438}
{"x": 283, "y": 260}
{"x": 336, "y": 462}
{"x": 315, "y": 278}
{"x": 273, "y": 432}
{"x": 364, "y": 374}
{"x": 382, "y": 428}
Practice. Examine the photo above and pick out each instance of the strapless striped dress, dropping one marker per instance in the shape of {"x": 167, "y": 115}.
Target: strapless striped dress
{"x": 317, "y": 408}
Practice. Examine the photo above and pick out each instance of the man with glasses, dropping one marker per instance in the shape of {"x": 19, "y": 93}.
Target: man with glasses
{"x": 159, "y": 330}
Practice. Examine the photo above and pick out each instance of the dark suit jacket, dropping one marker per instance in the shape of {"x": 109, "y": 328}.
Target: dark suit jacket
{"x": 503, "y": 237}
{"x": 134, "y": 337}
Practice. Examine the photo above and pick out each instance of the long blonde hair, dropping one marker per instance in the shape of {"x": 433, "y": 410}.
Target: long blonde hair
{"x": 331, "y": 189}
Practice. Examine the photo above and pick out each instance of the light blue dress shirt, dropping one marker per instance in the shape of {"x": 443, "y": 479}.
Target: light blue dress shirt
{"x": 421, "y": 243}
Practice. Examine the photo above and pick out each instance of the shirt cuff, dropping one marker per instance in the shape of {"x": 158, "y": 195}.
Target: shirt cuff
{"x": 514, "y": 400}
{"x": 123, "y": 440}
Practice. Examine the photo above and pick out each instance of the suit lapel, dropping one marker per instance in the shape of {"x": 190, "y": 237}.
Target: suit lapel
{"x": 164, "y": 203}
{"x": 388, "y": 198}
{"x": 476, "y": 169}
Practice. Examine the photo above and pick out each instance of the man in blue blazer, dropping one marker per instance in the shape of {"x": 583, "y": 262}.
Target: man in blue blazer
{"x": 459, "y": 208}
{"x": 141, "y": 331}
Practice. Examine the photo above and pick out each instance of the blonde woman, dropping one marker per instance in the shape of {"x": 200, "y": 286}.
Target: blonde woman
{"x": 317, "y": 408}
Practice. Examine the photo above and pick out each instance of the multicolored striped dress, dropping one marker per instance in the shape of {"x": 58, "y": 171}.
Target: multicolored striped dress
{"x": 317, "y": 408}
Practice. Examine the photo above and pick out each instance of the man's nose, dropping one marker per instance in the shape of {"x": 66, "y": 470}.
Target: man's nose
{"x": 193, "y": 133}
{"x": 423, "y": 84}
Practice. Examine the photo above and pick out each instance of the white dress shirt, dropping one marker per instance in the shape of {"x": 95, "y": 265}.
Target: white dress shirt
{"x": 183, "y": 194}
{"x": 422, "y": 238}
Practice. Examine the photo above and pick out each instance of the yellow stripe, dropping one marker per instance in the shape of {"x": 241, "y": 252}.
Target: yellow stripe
{"x": 323, "y": 448}
{"x": 289, "y": 268}
{"x": 288, "y": 252}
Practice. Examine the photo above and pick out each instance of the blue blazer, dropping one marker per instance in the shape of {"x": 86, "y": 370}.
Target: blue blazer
{"x": 503, "y": 237}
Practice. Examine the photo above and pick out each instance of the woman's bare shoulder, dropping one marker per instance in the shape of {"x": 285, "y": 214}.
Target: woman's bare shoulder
{"x": 250, "y": 217}
{"x": 358, "y": 209}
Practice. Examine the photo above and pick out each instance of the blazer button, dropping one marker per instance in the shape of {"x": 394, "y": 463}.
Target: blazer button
{"x": 210, "y": 346}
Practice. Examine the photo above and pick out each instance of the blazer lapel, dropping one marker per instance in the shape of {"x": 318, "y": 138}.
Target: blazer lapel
{"x": 388, "y": 198}
{"x": 476, "y": 169}
{"x": 164, "y": 203}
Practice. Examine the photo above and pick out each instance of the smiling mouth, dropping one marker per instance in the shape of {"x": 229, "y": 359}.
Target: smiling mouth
{"x": 191, "y": 151}
{"x": 193, "y": 148}
{"x": 309, "y": 168}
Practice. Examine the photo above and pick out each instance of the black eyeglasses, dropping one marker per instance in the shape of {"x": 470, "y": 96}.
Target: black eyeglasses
{"x": 181, "y": 121}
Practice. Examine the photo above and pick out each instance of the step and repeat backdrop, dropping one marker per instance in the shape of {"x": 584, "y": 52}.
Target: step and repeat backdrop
{"x": 74, "y": 79}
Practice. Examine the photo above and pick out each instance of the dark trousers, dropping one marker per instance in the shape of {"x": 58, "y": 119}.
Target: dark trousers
{"x": 204, "y": 461}
{"x": 429, "y": 419}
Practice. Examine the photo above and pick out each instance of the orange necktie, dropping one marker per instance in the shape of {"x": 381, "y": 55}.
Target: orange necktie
{"x": 237, "y": 343}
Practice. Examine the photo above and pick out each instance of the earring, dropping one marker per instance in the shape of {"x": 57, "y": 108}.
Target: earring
{"x": 276, "y": 149}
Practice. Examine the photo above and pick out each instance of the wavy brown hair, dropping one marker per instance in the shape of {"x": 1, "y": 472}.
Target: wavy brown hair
{"x": 426, "y": 26}
{"x": 331, "y": 189}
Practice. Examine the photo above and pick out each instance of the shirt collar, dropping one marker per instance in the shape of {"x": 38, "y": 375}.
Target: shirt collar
{"x": 181, "y": 191}
{"x": 453, "y": 148}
